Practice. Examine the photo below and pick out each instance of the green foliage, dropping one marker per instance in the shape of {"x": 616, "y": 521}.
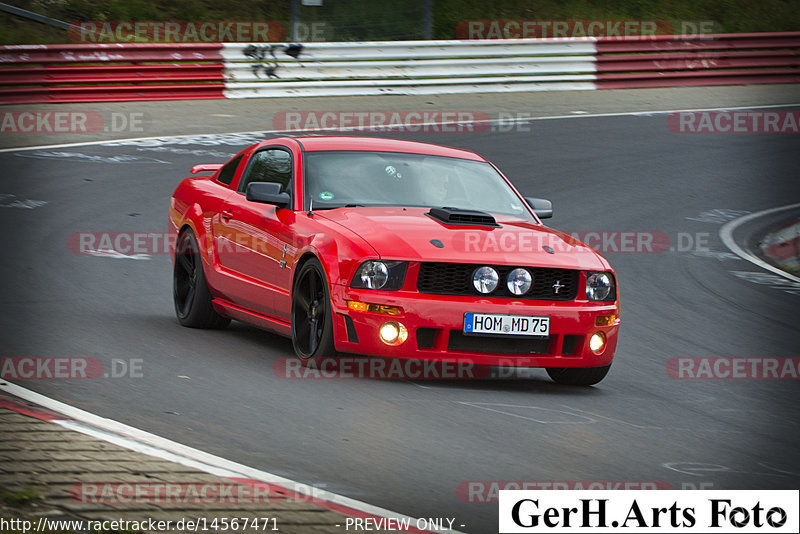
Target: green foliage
{"x": 399, "y": 19}
{"x": 729, "y": 16}
{"x": 21, "y": 497}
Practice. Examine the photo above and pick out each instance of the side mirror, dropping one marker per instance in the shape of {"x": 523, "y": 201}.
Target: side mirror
{"x": 268, "y": 193}
{"x": 541, "y": 207}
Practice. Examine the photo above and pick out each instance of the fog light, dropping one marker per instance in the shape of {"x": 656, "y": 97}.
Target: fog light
{"x": 597, "y": 342}
{"x": 393, "y": 333}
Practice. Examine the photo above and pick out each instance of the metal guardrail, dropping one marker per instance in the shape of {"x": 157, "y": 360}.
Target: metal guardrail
{"x": 81, "y": 73}
{"x": 408, "y": 67}
{"x": 722, "y": 59}
{"x": 30, "y": 15}
{"x": 110, "y": 72}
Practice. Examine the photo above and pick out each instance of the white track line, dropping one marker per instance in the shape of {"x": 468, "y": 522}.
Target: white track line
{"x": 153, "y": 445}
{"x": 726, "y": 234}
{"x": 441, "y": 123}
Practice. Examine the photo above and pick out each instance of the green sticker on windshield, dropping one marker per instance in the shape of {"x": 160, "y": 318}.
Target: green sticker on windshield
{"x": 326, "y": 195}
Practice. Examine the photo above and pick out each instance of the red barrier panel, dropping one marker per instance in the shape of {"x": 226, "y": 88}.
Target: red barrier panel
{"x": 723, "y": 41}
{"x": 782, "y": 246}
{"x": 116, "y": 52}
{"x": 186, "y": 72}
{"x": 720, "y": 60}
{"x": 699, "y": 79}
{"x": 110, "y": 93}
{"x": 793, "y": 73}
{"x": 97, "y": 72}
{"x": 674, "y": 60}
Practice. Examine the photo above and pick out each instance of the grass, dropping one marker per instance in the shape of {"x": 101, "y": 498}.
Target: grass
{"x": 22, "y": 497}
{"x": 20, "y": 503}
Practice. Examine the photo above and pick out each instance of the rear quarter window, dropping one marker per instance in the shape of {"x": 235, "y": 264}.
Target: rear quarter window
{"x": 227, "y": 172}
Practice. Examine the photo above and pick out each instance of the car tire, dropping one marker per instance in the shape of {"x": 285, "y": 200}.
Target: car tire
{"x": 312, "y": 315}
{"x": 578, "y": 376}
{"x": 189, "y": 288}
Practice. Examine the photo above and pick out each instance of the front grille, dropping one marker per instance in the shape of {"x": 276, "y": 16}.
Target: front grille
{"x": 456, "y": 279}
{"x": 497, "y": 345}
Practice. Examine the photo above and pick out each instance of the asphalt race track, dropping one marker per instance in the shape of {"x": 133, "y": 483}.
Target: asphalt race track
{"x": 407, "y": 446}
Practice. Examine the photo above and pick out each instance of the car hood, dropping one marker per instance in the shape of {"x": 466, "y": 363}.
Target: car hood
{"x": 409, "y": 234}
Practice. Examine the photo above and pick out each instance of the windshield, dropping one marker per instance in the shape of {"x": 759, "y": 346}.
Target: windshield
{"x": 336, "y": 179}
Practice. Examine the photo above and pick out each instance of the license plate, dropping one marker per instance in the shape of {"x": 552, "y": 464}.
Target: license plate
{"x": 507, "y": 325}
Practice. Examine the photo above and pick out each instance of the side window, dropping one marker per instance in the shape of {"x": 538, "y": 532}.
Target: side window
{"x": 270, "y": 165}
{"x": 226, "y": 173}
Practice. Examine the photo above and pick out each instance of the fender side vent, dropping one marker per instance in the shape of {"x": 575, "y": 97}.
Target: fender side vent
{"x": 352, "y": 336}
{"x": 462, "y": 216}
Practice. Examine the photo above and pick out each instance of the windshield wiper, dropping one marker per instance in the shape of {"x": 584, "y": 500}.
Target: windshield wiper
{"x": 319, "y": 208}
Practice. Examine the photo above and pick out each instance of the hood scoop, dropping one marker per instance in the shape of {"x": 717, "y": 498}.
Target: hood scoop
{"x": 462, "y": 216}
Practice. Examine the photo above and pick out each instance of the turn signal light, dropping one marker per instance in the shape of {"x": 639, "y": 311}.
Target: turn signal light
{"x": 374, "y": 308}
{"x": 604, "y": 320}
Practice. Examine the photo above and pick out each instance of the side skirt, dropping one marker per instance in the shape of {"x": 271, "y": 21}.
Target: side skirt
{"x": 272, "y": 324}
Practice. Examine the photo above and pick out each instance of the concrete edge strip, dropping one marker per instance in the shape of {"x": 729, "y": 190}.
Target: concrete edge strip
{"x": 726, "y": 234}
{"x": 367, "y": 130}
{"x": 144, "y": 442}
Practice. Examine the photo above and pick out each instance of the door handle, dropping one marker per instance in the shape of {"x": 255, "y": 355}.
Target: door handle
{"x": 227, "y": 215}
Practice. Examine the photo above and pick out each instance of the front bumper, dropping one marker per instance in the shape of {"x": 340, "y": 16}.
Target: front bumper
{"x": 435, "y": 329}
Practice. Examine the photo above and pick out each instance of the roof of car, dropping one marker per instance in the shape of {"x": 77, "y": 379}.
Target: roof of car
{"x": 320, "y": 143}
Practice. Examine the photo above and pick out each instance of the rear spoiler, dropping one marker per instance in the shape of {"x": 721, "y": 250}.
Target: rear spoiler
{"x": 206, "y": 167}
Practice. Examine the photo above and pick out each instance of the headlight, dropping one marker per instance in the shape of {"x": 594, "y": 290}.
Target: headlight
{"x": 485, "y": 279}
{"x": 519, "y": 281}
{"x": 377, "y": 274}
{"x": 373, "y": 274}
{"x": 600, "y": 286}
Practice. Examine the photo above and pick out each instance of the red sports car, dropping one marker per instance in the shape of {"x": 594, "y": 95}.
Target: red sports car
{"x": 390, "y": 248}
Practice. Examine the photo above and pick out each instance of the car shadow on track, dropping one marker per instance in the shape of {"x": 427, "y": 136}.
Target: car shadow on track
{"x": 245, "y": 342}
{"x": 523, "y": 384}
